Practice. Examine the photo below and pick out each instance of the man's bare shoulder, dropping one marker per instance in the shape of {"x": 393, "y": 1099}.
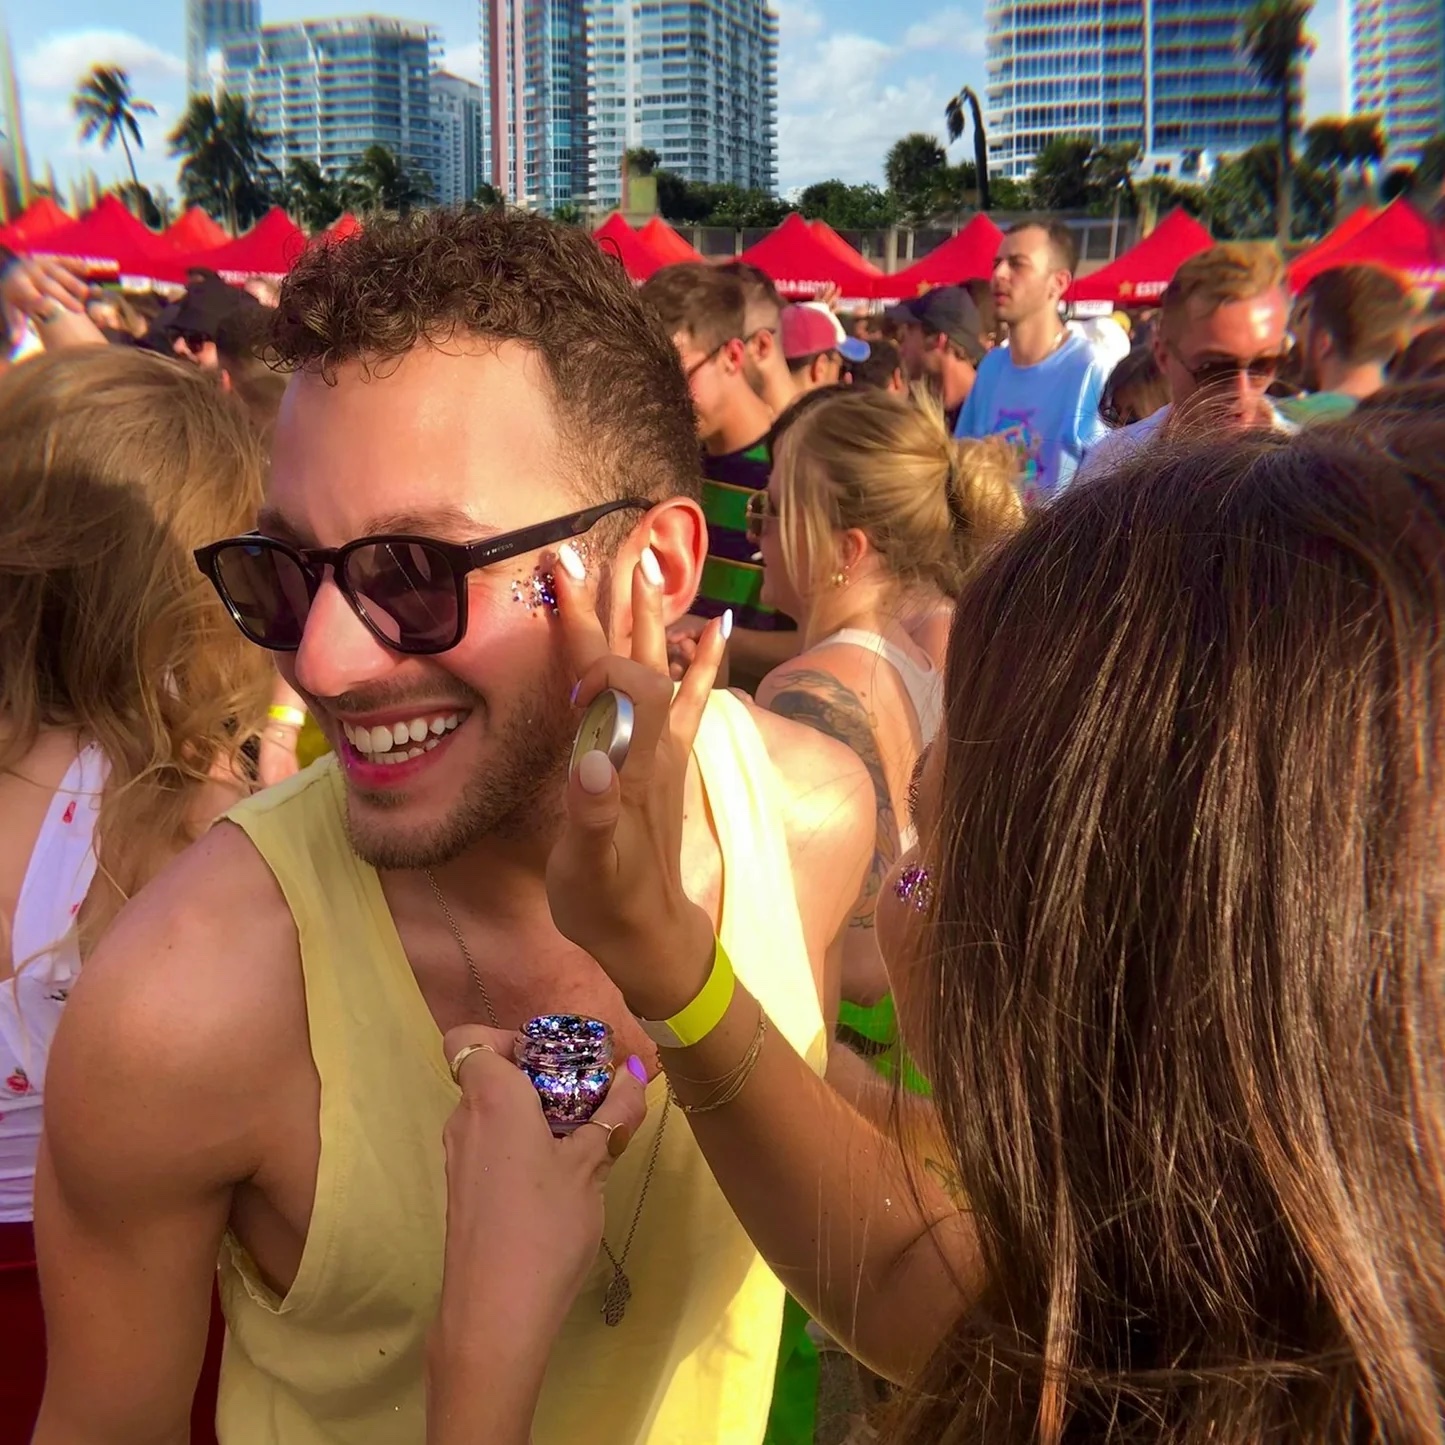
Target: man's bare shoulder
{"x": 197, "y": 983}
{"x": 829, "y": 796}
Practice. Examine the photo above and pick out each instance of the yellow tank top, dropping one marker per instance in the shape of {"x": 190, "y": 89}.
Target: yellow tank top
{"x": 339, "y": 1359}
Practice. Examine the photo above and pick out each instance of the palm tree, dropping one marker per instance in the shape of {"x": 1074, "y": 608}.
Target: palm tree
{"x": 381, "y": 181}
{"x": 107, "y": 111}
{"x": 311, "y": 196}
{"x": 1364, "y": 145}
{"x": 1274, "y": 40}
{"x": 953, "y": 115}
{"x": 913, "y": 167}
{"x": 225, "y": 169}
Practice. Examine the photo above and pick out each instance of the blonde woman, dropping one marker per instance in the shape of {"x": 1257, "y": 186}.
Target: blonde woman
{"x": 126, "y": 697}
{"x": 872, "y": 517}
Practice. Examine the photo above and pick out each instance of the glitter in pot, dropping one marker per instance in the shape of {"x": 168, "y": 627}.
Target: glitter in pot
{"x": 915, "y": 888}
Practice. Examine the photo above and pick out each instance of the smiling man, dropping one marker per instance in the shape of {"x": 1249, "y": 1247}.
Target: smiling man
{"x": 251, "y": 1065}
{"x": 1221, "y": 338}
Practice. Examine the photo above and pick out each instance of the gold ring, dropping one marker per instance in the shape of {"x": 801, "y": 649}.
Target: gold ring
{"x": 615, "y": 1145}
{"x": 463, "y": 1054}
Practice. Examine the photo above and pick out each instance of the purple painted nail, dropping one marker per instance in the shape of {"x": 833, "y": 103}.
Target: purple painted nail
{"x": 915, "y": 888}
{"x": 637, "y": 1069}
{"x": 576, "y": 688}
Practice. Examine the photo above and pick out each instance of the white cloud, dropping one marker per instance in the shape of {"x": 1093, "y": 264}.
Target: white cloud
{"x": 797, "y": 20}
{"x": 947, "y": 29}
{"x": 845, "y": 97}
{"x": 59, "y": 61}
{"x": 465, "y": 61}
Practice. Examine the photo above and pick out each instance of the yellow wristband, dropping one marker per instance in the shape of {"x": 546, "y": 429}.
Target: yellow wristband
{"x": 291, "y": 717}
{"x": 695, "y": 1021}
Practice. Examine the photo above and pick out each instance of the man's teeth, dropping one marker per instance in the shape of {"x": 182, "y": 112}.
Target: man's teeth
{"x": 402, "y": 740}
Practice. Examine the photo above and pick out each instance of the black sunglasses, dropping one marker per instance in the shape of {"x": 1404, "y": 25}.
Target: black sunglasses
{"x": 1261, "y": 369}
{"x": 756, "y": 510}
{"x": 411, "y": 592}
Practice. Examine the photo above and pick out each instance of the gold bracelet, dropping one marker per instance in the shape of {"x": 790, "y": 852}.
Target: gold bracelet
{"x": 731, "y": 1085}
{"x": 291, "y": 717}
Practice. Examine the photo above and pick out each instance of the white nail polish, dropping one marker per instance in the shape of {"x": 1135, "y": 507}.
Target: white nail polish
{"x": 571, "y": 562}
{"x": 650, "y": 568}
{"x": 727, "y": 624}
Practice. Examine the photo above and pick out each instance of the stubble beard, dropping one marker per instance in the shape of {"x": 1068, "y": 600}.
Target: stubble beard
{"x": 517, "y": 796}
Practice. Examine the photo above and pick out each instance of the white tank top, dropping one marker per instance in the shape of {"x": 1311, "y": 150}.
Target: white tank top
{"x": 923, "y": 685}
{"x": 46, "y": 958}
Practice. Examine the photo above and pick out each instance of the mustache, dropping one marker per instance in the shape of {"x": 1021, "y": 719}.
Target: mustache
{"x": 379, "y": 699}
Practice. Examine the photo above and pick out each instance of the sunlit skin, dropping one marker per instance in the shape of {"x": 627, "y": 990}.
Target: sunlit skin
{"x": 465, "y": 447}
{"x": 778, "y": 591}
{"x": 730, "y": 414}
{"x": 1025, "y": 279}
{"x": 1237, "y": 331}
{"x": 899, "y": 925}
{"x": 911, "y": 350}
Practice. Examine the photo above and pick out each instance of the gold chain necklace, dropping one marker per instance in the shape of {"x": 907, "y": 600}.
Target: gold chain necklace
{"x": 619, "y": 1287}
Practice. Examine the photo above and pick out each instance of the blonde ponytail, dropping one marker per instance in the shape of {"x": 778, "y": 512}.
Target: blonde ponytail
{"x": 886, "y": 466}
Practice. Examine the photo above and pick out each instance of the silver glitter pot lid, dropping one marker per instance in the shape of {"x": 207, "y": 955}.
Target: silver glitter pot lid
{"x": 564, "y": 1041}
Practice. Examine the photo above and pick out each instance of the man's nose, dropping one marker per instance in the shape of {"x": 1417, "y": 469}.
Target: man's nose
{"x": 338, "y": 652}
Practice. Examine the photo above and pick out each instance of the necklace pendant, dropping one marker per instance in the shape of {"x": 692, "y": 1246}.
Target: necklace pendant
{"x": 615, "y": 1301}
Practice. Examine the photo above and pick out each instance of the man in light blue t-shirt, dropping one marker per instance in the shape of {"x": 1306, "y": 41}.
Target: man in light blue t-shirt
{"x": 1042, "y": 390}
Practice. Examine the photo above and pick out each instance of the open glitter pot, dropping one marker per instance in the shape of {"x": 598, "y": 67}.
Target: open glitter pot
{"x": 568, "y": 1058}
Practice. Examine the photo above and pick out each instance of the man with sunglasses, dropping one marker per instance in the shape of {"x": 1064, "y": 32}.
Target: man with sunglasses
{"x": 1221, "y": 337}
{"x": 253, "y": 1062}
{"x": 704, "y": 310}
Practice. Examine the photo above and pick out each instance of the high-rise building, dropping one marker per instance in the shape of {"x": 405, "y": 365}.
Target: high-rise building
{"x": 693, "y": 80}
{"x": 534, "y": 78}
{"x": 210, "y": 24}
{"x": 14, "y": 162}
{"x": 1169, "y": 75}
{"x": 1397, "y": 70}
{"x": 457, "y": 107}
{"x": 328, "y": 89}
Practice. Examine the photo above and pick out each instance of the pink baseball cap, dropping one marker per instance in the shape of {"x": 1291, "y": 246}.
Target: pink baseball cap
{"x": 809, "y": 329}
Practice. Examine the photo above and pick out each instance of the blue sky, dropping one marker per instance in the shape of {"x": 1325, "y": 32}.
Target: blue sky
{"x": 853, "y": 75}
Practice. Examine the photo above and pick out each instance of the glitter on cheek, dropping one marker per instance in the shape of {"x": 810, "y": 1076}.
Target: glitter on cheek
{"x": 537, "y": 591}
{"x": 914, "y": 888}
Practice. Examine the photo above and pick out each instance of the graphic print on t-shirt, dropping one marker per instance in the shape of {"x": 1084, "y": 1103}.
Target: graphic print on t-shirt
{"x": 1017, "y": 429}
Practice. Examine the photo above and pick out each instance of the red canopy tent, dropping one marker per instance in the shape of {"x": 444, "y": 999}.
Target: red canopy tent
{"x": 34, "y": 223}
{"x": 802, "y": 264}
{"x": 195, "y": 231}
{"x": 1141, "y": 274}
{"x": 968, "y": 256}
{"x": 618, "y": 239}
{"x": 270, "y": 248}
{"x": 1347, "y": 230}
{"x": 664, "y": 242}
{"x": 109, "y": 241}
{"x": 840, "y": 248}
{"x": 1399, "y": 239}
{"x": 344, "y": 226}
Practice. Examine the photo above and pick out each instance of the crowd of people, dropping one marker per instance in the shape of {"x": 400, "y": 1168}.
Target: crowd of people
{"x": 1017, "y": 908}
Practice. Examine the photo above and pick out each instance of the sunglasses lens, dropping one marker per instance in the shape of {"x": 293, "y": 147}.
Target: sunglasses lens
{"x": 267, "y": 592}
{"x": 408, "y": 594}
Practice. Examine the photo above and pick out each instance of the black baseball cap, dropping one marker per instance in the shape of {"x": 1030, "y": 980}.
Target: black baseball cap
{"x": 949, "y": 310}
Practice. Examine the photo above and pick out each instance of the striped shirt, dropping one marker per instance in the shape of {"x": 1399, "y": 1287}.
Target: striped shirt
{"x": 730, "y": 577}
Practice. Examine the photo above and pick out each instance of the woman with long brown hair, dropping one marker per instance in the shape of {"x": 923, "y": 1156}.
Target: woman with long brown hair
{"x": 1170, "y": 953}
{"x": 126, "y": 698}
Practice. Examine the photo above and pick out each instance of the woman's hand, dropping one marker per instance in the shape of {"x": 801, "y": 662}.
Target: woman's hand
{"x": 614, "y": 879}
{"x": 524, "y": 1222}
{"x": 522, "y": 1206}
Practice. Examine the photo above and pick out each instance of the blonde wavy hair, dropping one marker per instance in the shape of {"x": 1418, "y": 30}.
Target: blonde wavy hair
{"x": 886, "y": 466}
{"x": 115, "y": 464}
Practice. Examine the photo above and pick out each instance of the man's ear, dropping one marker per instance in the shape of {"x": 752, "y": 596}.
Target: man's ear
{"x": 676, "y": 530}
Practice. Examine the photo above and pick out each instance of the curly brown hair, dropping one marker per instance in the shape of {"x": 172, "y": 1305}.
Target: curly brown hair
{"x": 623, "y": 407}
